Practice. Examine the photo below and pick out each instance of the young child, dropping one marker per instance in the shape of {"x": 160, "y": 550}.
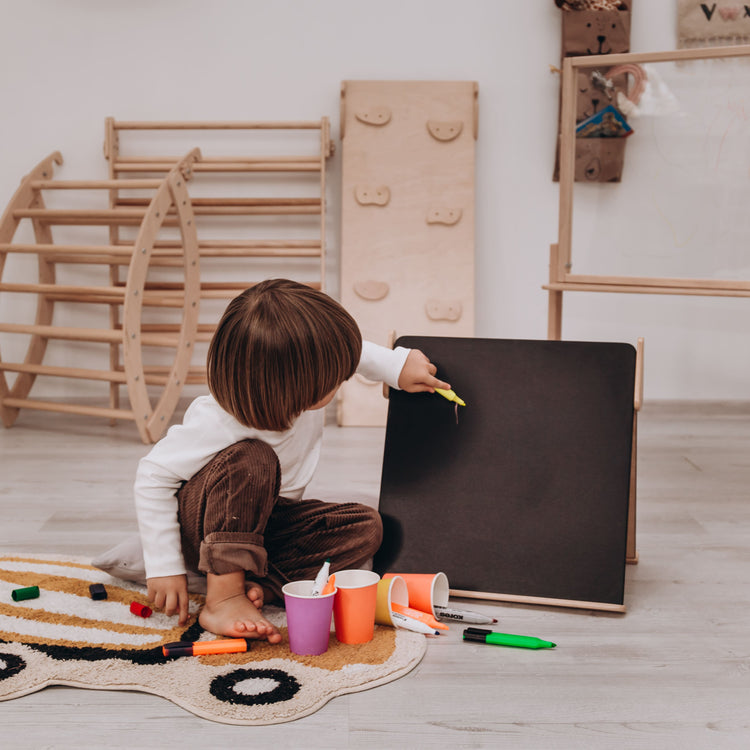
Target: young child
{"x": 221, "y": 493}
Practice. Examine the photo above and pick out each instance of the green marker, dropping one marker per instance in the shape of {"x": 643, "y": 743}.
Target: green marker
{"x": 505, "y": 639}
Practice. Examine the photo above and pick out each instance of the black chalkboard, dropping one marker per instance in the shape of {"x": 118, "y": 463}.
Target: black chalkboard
{"x": 526, "y": 495}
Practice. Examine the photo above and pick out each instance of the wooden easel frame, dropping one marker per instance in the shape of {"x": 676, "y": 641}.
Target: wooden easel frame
{"x": 561, "y": 278}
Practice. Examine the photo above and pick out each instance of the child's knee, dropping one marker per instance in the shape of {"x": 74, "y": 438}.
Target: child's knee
{"x": 252, "y": 461}
{"x": 251, "y": 451}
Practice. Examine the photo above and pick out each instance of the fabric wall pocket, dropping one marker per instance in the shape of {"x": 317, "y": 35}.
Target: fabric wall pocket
{"x": 596, "y": 32}
{"x": 597, "y": 27}
{"x": 599, "y": 159}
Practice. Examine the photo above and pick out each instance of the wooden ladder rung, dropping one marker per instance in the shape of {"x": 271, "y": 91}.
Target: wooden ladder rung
{"x": 231, "y": 202}
{"x": 216, "y": 125}
{"x": 53, "y": 290}
{"x": 258, "y": 207}
{"x": 111, "y": 376}
{"x": 208, "y": 290}
{"x": 99, "y": 335}
{"x": 91, "y": 411}
{"x": 97, "y": 295}
{"x": 142, "y": 184}
{"x": 246, "y": 248}
{"x": 121, "y": 251}
{"x": 272, "y": 159}
{"x": 94, "y": 335}
{"x": 158, "y": 375}
{"x": 166, "y": 252}
{"x": 82, "y": 216}
{"x": 219, "y": 166}
{"x": 203, "y": 334}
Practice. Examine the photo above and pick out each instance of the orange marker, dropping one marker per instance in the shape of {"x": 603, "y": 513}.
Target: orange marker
{"x": 417, "y": 614}
{"x": 203, "y": 648}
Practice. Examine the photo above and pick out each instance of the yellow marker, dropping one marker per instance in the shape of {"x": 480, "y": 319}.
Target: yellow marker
{"x": 450, "y": 395}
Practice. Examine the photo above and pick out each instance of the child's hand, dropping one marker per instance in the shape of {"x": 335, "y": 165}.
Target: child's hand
{"x": 418, "y": 374}
{"x": 170, "y": 594}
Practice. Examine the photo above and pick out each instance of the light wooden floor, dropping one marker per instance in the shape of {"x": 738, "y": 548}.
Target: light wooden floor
{"x": 674, "y": 672}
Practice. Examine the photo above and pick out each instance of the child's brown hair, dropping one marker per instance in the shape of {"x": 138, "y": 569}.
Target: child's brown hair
{"x": 280, "y": 348}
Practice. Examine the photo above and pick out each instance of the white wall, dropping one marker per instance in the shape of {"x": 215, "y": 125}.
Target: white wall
{"x": 65, "y": 66}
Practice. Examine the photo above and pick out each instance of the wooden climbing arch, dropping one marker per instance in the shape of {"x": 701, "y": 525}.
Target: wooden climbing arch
{"x": 153, "y": 394}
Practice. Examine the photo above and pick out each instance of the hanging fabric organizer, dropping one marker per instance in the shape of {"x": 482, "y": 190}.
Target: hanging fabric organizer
{"x": 152, "y": 397}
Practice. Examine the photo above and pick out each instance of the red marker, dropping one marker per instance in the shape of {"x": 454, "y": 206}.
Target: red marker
{"x": 203, "y": 648}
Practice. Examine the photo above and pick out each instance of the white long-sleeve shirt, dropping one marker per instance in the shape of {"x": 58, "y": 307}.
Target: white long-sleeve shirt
{"x": 205, "y": 431}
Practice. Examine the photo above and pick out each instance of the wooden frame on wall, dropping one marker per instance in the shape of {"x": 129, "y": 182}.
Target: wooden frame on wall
{"x": 561, "y": 278}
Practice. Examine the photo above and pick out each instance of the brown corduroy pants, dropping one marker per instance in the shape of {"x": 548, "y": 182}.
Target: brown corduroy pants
{"x": 232, "y": 518}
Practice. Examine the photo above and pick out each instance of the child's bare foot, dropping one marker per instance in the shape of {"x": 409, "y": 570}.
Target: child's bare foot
{"x": 255, "y": 593}
{"x": 259, "y": 594}
{"x": 238, "y": 617}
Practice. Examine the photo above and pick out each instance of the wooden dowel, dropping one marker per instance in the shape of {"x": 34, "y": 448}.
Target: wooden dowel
{"x": 222, "y": 159}
{"x": 542, "y": 600}
{"x": 91, "y": 260}
{"x": 111, "y": 376}
{"x": 69, "y": 334}
{"x": 149, "y": 300}
{"x": 174, "y": 289}
{"x": 121, "y": 254}
{"x": 91, "y": 217}
{"x": 91, "y": 411}
{"x": 172, "y": 260}
{"x": 243, "y": 244}
{"x": 47, "y": 249}
{"x": 239, "y": 206}
{"x": 141, "y": 166}
{"x": 204, "y": 333}
{"x": 94, "y": 213}
{"x": 84, "y": 217}
{"x": 231, "y": 293}
{"x": 195, "y": 376}
{"x": 236, "y": 202}
{"x": 95, "y": 184}
{"x": 175, "y": 327}
{"x": 95, "y": 335}
{"x": 638, "y": 289}
{"x": 684, "y": 283}
{"x": 216, "y": 125}
{"x": 609, "y": 61}
{"x": 82, "y": 291}
{"x": 638, "y": 397}
{"x": 261, "y": 252}
{"x": 88, "y": 299}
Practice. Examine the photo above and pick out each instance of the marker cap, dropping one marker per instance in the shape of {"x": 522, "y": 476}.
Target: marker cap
{"x": 30, "y": 592}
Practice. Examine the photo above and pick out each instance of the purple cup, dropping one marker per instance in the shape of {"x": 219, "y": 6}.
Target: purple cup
{"x": 308, "y": 618}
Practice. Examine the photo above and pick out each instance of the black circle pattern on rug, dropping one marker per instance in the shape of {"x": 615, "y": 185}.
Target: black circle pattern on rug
{"x": 224, "y": 687}
{"x": 10, "y": 664}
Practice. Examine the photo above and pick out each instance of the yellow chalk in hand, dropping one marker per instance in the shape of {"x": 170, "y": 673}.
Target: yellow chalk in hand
{"x": 450, "y": 395}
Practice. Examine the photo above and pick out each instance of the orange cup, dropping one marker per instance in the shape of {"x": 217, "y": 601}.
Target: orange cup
{"x": 354, "y": 605}
{"x": 425, "y": 590}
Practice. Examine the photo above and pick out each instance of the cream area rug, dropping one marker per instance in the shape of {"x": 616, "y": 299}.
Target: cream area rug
{"x": 66, "y": 637}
